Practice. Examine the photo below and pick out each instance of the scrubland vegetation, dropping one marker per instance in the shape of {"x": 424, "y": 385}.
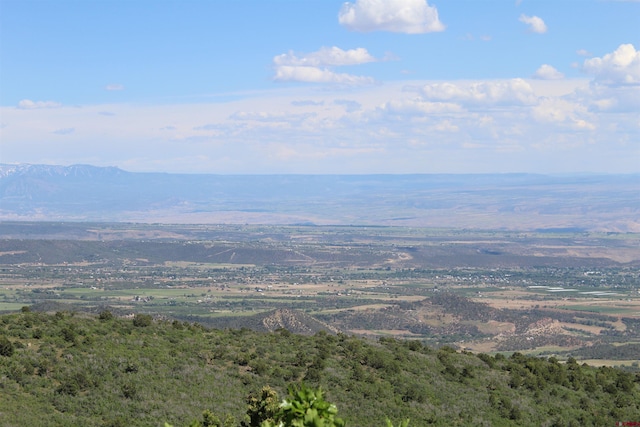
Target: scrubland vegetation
{"x": 69, "y": 368}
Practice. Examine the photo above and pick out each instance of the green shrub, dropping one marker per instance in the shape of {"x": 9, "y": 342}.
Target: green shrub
{"x": 142, "y": 320}
{"x": 261, "y": 408}
{"x": 305, "y": 407}
{"x": 105, "y": 315}
{"x": 6, "y": 347}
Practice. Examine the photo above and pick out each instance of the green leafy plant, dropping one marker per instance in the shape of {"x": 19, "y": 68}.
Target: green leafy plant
{"x": 305, "y": 407}
{"x": 403, "y": 423}
{"x": 262, "y": 409}
{"x": 6, "y": 347}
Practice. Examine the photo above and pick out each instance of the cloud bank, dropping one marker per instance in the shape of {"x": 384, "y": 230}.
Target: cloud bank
{"x": 453, "y": 126}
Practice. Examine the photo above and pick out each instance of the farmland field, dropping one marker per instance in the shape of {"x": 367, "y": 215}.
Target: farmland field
{"x": 489, "y": 291}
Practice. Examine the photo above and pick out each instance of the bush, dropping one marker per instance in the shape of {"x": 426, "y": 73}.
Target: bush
{"x": 105, "y": 315}
{"x": 142, "y": 320}
{"x": 305, "y": 407}
{"x": 262, "y": 409}
{"x": 6, "y": 347}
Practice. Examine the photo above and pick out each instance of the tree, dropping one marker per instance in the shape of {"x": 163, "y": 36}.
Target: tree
{"x": 262, "y": 408}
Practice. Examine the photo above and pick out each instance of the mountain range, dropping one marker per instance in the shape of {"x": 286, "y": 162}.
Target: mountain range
{"x": 516, "y": 201}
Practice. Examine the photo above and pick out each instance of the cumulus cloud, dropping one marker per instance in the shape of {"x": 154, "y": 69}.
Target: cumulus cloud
{"x": 547, "y": 72}
{"x": 27, "y": 104}
{"x": 511, "y": 92}
{"x": 114, "y": 86}
{"x": 315, "y": 67}
{"x": 563, "y": 112}
{"x": 398, "y": 16}
{"x": 609, "y": 98}
{"x": 583, "y": 52}
{"x": 621, "y": 67}
{"x": 317, "y": 75}
{"x": 535, "y": 23}
{"x": 326, "y": 56}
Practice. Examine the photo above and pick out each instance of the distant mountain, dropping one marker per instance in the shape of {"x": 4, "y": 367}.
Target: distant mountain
{"x": 507, "y": 201}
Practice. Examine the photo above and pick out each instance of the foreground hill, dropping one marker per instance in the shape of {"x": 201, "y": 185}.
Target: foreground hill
{"x": 70, "y": 369}
{"x": 507, "y": 201}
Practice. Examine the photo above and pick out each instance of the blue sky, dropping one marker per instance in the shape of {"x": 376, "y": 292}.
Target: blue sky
{"x": 322, "y": 86}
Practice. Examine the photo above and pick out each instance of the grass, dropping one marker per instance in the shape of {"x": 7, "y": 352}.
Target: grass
{"x": 599, "y": 309}
{"x": 11, "y": 306}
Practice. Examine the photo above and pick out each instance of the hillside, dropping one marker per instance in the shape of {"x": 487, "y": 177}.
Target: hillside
{"x": 72, "y": 369}
{"x": 294, "y": 321}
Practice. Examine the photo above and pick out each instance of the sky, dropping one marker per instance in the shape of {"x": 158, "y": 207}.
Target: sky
{"x": 322, "y": 86}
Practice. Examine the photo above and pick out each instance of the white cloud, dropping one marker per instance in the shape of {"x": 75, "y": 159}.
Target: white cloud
{"x": 445, "y": 126}
{"x": 583, "y": 52}
{"x": 547, "y": 72}
{"x": 114, "y": 87}
{"x": 288, "y": 73}
{"x": 27, "y": 104}
{"x": 453, "y": 126}
{"x": 621, "y": 67}
{"x": 326, "y": 56}
{"x": 609, "y": 98}
{"x": 492, "y": 93}
{"x": 306, "y": 103}
{"x": 413, "y": 107}
{"x": 270, "y": 117}
{"x": 315, "y": 67}
{"x": 398, "y": 16}
{"x": 563, "y": 112}
{"x": 535, "y": 23}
